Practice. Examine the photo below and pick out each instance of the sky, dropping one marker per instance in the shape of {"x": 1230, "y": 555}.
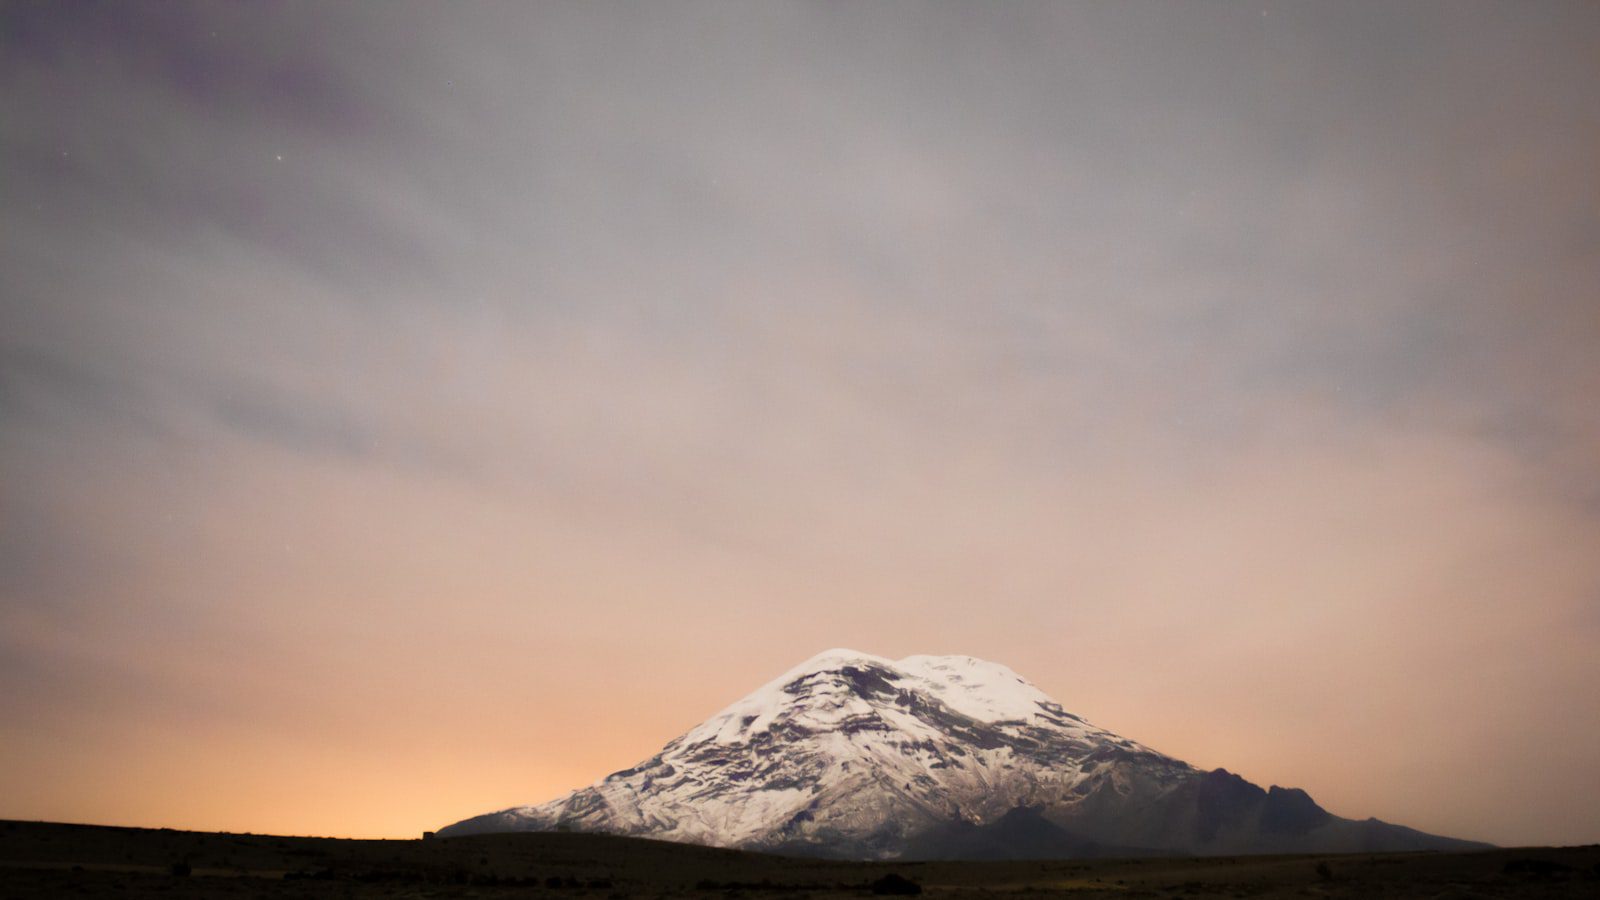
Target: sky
{"x": 409, "y": 410}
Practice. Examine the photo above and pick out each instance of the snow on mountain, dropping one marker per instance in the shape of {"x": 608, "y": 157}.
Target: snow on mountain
{"x": 854, "y": 755}
{"x": 986, "y": 691}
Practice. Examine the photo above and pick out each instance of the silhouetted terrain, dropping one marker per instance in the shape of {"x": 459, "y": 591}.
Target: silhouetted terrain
{"x": 39, "y": 860}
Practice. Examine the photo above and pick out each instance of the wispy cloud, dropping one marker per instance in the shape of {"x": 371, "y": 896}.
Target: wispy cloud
{"x": 1144, "y": 347}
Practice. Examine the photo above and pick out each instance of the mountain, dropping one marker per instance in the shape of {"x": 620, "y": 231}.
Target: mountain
{"x": 851, "y": 755}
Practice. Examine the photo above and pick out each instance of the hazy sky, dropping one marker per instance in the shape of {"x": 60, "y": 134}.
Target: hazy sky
{"x": 407, "y": 411}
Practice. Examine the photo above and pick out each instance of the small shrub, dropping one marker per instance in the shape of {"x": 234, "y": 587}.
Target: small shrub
{"x": 895, "y": 885}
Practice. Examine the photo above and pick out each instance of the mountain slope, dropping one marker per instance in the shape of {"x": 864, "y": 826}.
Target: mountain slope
{"x": 854, "y": 755}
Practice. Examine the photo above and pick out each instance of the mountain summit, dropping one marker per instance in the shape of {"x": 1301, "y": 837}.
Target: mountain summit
{"x": 856, "y": 756}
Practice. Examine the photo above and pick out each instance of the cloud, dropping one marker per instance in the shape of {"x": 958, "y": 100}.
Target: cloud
{"x": 302, "y": 425}
{"x": 1143, "y": 349}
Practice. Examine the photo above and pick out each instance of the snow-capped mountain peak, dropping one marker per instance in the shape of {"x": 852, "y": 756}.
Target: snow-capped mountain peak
{"x": 758, "y": 710}
{"x": 834, "y": 681}
{"x": 852, "y": 754}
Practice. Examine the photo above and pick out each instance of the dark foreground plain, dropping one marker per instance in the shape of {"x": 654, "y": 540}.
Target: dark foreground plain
{"x": 46, "y": 860}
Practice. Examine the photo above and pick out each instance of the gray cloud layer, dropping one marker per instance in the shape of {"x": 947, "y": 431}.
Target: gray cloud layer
{"x": 1088, "y": 337}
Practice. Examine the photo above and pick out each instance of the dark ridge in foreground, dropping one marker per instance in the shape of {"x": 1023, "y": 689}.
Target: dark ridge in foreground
{"x": 47, "y": 860}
